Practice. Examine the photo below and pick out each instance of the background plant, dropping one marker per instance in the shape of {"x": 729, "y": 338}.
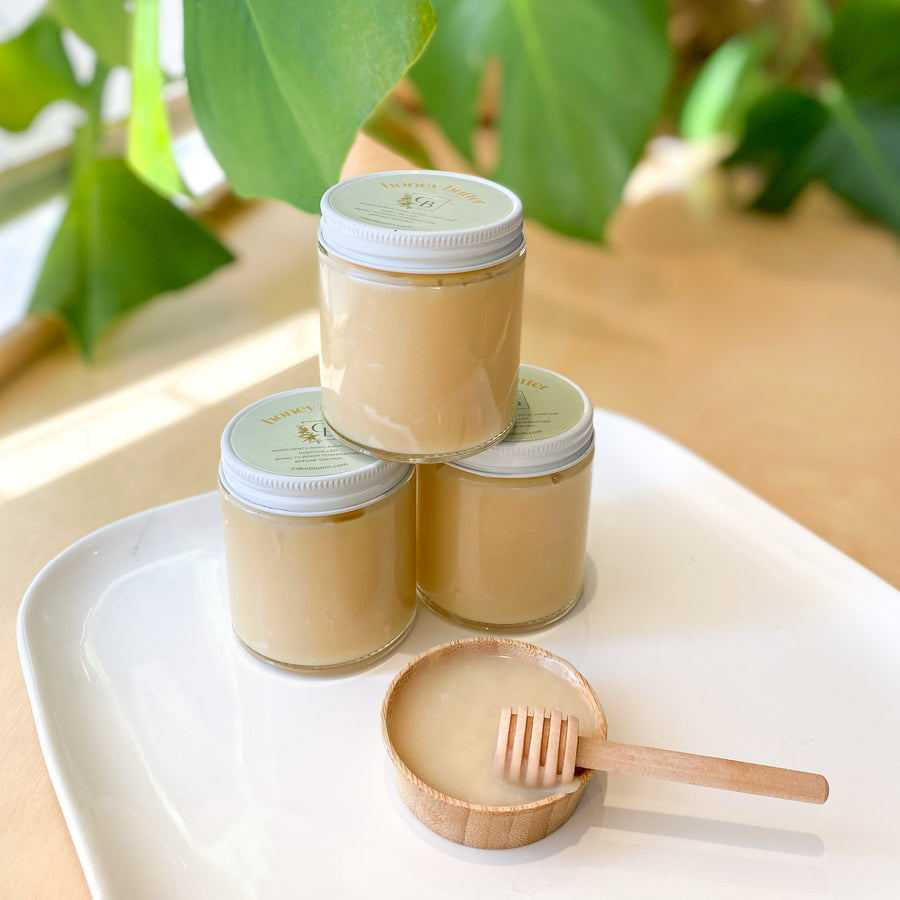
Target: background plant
{"x": 570, "y": 92}
{"x": 813, "y": 95}
{"x": 280, "y": 91}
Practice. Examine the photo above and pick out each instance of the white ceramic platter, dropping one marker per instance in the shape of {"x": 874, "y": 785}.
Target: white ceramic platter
{"x": 711, "y": 623}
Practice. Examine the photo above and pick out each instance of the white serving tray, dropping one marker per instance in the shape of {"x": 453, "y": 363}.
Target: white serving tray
{"x": 710, "y": 623}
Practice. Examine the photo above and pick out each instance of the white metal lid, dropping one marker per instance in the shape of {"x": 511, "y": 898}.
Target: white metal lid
{"x": 553, "y": 428}
{"x": 421, "y": 221}
{"x": 279, "y": 455}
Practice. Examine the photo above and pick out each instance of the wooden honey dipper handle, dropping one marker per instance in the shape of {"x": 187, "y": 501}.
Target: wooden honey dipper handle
{"x": 706, "y": 771}
{"x": 544, "y": 752}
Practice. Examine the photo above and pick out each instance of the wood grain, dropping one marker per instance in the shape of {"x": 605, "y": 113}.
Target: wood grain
{"x": 540, "y": 750}
{"x": 704, "y": 771}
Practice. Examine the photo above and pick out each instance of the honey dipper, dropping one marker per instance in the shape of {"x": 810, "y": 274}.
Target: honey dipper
{"x": 539, "y": 751}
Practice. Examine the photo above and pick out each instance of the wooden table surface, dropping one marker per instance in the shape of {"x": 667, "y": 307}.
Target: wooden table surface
{"x": 771, "y": 347}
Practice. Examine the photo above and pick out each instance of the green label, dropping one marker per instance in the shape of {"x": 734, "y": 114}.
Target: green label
{"x": 436, "y": 202}
{"x": 546, "y": 405}
{"x": 287, "y": 435}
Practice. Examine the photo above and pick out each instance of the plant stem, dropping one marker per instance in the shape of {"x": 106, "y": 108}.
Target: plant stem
{"x": 87, "y": 140}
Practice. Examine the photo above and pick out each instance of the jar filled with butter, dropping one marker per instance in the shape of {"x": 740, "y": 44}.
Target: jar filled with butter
{"x": 502, "y": 535}
{"x": 319, "y": 539}
{"x": 421, "y": 300}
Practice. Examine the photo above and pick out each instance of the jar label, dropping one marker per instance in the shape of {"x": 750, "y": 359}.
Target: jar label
{"x": 287, "y": 435}
{"x": 546, "y": 405}
{"x": 434, "y": 202}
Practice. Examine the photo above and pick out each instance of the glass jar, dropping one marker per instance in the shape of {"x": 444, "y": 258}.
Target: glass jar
{"x": 502, "y": 536}
{"x": 319, "y": 540}
{"x": 421, "y": 303}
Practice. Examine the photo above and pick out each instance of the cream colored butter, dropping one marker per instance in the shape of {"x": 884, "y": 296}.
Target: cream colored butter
{"x": 420, "y": 366}
{"x": 444, "y": 722}
{"x": 314, "y": 591}
{"x": 319, "y": 540}
{"x": 505, "y": 552}
{"x": 503, "y": 534}
{"x": 421, "y": 305}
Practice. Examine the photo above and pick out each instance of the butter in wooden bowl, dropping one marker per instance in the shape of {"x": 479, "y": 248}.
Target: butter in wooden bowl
{"x": 439, "y": 726}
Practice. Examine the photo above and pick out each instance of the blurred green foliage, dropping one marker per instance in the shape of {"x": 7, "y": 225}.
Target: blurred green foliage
{"x": 280, "y": 91}
{"x": 822, "y": 106}
{"x": 570, "y": 92}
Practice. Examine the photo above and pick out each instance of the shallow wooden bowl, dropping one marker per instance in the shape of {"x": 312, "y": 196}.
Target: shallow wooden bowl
{"x": 472, "y": 824}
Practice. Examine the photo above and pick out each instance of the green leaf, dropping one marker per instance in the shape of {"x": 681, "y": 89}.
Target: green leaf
{"x": 149, "y": 139}
{"x": 280, "y": 89}
{"x": 852, "y": 146}
{"x": 731, "y": 80}
{"x": 815, "y": 16}
{"x": 858, "y": 156}
{"x": 393, "y": 126}
{"x": 864, "y": 49}
{"x": 119, "y": 245}
{"x": 581, "y": 87}
{"x": 779, "y": 137}
{"x": 450, "y": 72}
{"x": 104, "y": 24}
{"x": 34, "y": 71}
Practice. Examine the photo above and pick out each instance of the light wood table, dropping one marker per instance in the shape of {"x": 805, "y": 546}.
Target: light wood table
{"x": 769, "y": 347}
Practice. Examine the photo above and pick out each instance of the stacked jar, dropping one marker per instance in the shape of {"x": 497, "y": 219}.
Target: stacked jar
{"x": 421, "y": 303}
{"x": 421, "y": 289}
{"x": 502, "y": 535}
{"x": 319, "y": 539}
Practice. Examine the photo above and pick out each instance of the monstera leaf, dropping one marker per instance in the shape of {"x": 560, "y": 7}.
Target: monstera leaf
{"x": 581, "y": 84}
{"x": 280, "y": 89}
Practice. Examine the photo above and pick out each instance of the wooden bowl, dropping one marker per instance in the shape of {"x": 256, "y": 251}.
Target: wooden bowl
{"x": 492, "y": 827}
